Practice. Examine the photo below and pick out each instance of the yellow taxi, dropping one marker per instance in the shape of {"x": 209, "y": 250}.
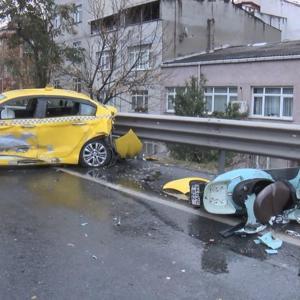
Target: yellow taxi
{"x": 55, "y": 126}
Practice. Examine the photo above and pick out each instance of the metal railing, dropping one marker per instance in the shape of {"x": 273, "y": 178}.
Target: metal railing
{"x": 264, "y": 138}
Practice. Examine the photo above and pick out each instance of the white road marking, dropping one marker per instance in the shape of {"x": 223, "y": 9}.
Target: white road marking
{"x": 139, "y": 195}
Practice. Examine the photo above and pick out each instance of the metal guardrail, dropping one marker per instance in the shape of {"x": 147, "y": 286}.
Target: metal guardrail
{"x": 265, "y": 138}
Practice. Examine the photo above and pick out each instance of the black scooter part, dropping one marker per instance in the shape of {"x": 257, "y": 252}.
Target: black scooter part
{"x": 245, "y": 188}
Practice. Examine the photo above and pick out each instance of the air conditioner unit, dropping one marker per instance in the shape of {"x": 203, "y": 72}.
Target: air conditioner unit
{"x": 243, "y": 106}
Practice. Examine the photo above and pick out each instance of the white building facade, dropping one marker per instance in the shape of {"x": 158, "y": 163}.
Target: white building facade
{"x": 173, "y": 29}
{"x": 281, "y": 14}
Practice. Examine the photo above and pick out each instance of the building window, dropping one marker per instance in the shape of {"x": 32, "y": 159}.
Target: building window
{"x": 109, "y": 23}
{"x": 105, "y": 60}
{"x": 171, "y": 95}
{"x": 150, "y": 148}
{"x": 217, "y": 98}
{"x": 57, "y": 21}
{"x": 139, "y": 57}
{"x": 57, "y": 84}
{"x": 95, "y": 27}
{"x": 77, "y": 15}
{"x": 116, "y": 102}
{"x": 142, "y": 13}
{"x": 77, "y": 44}
{"x": 140, "y": 101}
{"x": 77, "y": 84}
{"x": 273, "y": 102}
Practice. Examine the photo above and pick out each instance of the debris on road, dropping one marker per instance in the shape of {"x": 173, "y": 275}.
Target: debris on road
{"x": 293, "y": 233}
{"x": 117, "y": 221}
{"x": 183, "y": 185}
{"x": 70, "y": 245}
{"x": 264, "y": 197}
{"x": 84, "y": 224}
{"x": 94, "y": 257}
{"x": 270, "y": 242}
{"x": 128, "y": 145}
{"x": 271, "y": 251}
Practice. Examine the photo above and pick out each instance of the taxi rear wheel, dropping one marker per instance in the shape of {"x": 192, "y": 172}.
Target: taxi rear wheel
{"x": 95, "y": 153}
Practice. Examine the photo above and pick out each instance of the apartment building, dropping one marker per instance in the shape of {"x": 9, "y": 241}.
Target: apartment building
{"x": 262, "y": 78}
{"x": 282, "y": 14}
{"x": 157, "y": 31}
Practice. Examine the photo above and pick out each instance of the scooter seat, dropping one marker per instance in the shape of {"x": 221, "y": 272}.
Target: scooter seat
{"x": 271, "y": 201}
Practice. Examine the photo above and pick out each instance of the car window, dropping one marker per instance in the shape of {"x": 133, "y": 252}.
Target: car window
{"x": 18, "y": 109}
{"x": 57, "y": 107}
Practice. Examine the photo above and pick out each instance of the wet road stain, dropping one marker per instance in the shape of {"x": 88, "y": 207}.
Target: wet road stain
{"x": 60, "y": 190}
{"x": 149, "y": 177}
{"x": 214, "y": 260}
{"x": 206, "y": 230}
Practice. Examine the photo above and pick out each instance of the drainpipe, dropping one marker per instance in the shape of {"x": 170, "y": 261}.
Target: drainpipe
{"x": 175, "y": 29}
{"x": 199, "y": 74}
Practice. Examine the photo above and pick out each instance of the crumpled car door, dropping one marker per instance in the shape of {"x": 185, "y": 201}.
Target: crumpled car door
{"x": 18, "y": 136}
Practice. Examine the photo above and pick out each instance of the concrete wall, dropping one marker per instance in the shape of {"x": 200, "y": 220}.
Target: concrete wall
{"x": 244, "y": 76}
{"x": 291, "y": 29}
{"x": 186, "y": 26}
{"x": 281, "y": 14}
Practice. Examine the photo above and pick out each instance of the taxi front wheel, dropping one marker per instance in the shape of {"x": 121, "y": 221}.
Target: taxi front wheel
{"x": 95, "y": 153}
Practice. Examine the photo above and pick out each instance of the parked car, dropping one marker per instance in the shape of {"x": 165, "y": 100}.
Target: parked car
{"x": 55, "y": 126}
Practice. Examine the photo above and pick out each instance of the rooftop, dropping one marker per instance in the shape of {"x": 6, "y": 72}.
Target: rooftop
{"x": 259, "y": 50}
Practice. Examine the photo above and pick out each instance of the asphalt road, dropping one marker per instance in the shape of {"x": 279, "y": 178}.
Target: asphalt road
{"x": 64, "y": 237}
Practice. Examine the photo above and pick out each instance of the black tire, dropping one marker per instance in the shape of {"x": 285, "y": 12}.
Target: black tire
{"x": 95, "y": 153}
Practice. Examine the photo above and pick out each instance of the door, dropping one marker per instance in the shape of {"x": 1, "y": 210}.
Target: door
{"x": 64, "y": 129}
{"x": 18, "y": 134}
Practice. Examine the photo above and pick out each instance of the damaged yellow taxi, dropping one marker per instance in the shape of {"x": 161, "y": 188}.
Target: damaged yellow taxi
{"x": 55, "y": 126}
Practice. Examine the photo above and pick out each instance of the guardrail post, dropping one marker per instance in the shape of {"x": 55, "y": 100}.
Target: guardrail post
{"x": 221, "y": 162}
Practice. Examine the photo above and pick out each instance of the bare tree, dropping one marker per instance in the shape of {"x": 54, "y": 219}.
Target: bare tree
{"x": 32, "y": 29}
{"x": 123, "y": 52}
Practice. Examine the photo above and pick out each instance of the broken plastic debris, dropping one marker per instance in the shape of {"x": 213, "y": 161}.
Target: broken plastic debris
{"x": 183, "y": 185}
{"x": 183, "y": 270}
{"x": 94, "y": 257}
{"x": 70, "y": 245}
{"x": 257, "y": 242}
{"x": 84, "y": 224}
{"x": 150, "y": 158}
{"x": 168, "y": 278}
{"x": 117, "y": 221}
{"x": 251, "y": 229}
{"x": 280, "y": 219}
{"x": 270, "y": 241}
{"x": 293, "y": 233}
{"x": 271, "y": 251}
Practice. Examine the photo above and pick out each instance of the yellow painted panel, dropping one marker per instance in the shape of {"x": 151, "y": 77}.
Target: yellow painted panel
{"x": 182, "y": 185}
{"x": 128, "y": 145}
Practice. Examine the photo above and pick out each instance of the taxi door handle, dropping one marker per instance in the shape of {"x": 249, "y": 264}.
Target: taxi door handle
{"x": 78, "y": 124}
{"x": 28, "y": 126}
